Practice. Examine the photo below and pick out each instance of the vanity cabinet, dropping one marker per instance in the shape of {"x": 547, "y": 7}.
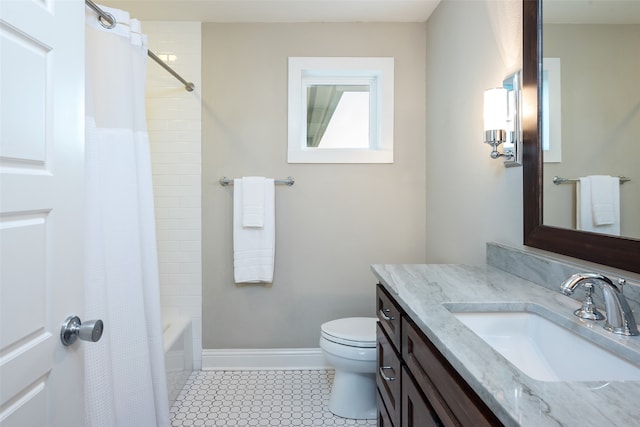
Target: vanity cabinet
{"x": 417, "y": 386}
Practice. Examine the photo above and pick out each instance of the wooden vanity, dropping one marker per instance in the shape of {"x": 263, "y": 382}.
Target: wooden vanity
{"x": 416, "y": 385}
{"x": 435, "y": 371}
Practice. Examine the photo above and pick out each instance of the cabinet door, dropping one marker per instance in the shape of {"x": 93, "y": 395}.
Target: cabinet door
{"x": 388, "y": 376}
{"x": 452, "y": 398}
{"x": 416, "y": 411}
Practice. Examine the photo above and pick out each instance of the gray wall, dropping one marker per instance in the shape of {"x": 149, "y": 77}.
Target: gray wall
{"x": 337, "y": 219}
{"x": 600, "y": 126}
{"x": 471, "y": 199}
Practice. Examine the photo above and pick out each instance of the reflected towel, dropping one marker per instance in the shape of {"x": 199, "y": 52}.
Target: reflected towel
{"x": 602, "y": 199}
{"x": 598, "y": 204}
{"x": 254, "y": 247}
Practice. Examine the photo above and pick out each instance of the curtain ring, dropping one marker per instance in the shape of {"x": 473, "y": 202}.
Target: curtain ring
{"x": 104, "y": 20}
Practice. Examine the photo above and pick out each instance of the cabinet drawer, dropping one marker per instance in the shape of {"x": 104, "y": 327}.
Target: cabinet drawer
{"x": 416, "y": 411}
{"x": 389, "y": 315}
{"x": 450, "y": 396}
{"x": 383, "y": 416}
{"x": 388, "y": 378}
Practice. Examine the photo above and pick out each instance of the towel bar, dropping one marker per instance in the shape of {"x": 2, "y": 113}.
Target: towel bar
{"x": 224, "y": 181}
{"x": 557, "y": 180}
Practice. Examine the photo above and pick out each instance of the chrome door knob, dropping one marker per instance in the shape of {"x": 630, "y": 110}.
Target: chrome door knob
{"x": 73, "y": 328}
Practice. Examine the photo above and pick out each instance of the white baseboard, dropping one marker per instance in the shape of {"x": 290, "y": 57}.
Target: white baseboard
{"x": 256, "y": 359}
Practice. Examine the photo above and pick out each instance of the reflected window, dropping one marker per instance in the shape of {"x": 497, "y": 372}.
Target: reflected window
{"x": 551, "y": 132}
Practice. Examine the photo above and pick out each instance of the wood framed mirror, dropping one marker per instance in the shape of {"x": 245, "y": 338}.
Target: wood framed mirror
{"x": 613, "y": 251}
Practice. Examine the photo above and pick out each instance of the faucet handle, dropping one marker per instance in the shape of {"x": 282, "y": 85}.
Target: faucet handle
{"x": 588, "y": 310}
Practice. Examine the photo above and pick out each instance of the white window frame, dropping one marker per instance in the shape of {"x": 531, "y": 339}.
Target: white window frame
{"x": 377, "y": 73}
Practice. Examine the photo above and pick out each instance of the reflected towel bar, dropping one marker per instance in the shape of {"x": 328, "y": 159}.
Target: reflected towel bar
{"x": 108, "y": 21}
{"x": 557, "y": 180}
{"x": 224, "y": 181}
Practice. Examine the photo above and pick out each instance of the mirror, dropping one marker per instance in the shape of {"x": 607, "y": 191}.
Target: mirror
{"x": 615, "y": 251}
{"x": 340, "y": 110}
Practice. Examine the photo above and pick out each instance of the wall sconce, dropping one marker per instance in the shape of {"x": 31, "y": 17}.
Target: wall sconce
{"x": 502, "y": 121}
{"x": 495, "y": 119}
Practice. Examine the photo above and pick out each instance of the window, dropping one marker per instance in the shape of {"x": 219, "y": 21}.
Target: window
{"x": 340, "y": 110}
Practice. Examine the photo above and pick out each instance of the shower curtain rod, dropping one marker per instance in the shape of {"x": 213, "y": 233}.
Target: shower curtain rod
{"x": 111, "y": 22}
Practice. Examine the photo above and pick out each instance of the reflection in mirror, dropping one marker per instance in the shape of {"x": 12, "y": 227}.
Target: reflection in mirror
{"x": 338, "y": 116}
{"x": 551, "y": 101}
{"x": 584, "y": 126}
{"x": 599, "y": 116}
{"x": 512, "y": 147}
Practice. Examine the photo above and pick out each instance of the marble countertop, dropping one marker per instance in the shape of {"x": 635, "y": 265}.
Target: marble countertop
{"x": 425, "y": 290}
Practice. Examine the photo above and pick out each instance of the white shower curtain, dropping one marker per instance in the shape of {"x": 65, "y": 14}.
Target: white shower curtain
{"x": 125, "y": 382}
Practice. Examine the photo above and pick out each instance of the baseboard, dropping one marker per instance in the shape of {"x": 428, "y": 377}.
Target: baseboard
{"x": 255, "y": 359}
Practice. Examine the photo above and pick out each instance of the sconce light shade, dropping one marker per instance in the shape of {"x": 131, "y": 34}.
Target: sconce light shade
{"x": 495, "y": 109}
{"x": 495, "y": 119}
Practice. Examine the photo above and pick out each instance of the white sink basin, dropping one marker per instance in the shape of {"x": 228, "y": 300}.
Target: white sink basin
{"x": 546, "y": 351}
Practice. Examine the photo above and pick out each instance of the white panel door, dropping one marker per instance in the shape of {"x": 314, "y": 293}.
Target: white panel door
{"x": 41, "y": 202}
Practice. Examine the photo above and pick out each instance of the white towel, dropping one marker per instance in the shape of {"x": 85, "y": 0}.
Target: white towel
{"x": 253, "y": 189}
{"x": 254, "y": 247}
{"x": 602, "y": 195}
{"x": 598, "y": 204}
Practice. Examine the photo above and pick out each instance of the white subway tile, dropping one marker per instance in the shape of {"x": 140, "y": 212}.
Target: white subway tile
{"x": 187, "y": 235}
{"x": 192, "y": 246}
{"x": 191, "y": 202}
{"x": 174, "y": 124}
{"x": 190, "y": 180}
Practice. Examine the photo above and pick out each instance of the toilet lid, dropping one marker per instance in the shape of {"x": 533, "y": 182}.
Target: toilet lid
{"x": 353, "y": 331}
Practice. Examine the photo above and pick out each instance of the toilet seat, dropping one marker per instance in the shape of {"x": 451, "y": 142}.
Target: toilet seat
{"x": 352, "y": 331}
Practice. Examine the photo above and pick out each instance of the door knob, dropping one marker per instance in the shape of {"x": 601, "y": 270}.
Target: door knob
{"x": 73, "y": 328}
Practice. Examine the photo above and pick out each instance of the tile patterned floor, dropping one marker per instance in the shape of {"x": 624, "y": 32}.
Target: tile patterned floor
{"x": 258, "y": 398}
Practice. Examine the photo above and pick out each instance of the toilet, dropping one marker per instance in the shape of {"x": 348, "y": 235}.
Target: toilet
{"x": 349, "y": 345}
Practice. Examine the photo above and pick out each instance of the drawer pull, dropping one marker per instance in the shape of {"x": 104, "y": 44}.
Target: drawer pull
{"x": 384, "y": 377}
{"x": 383, "y": 312}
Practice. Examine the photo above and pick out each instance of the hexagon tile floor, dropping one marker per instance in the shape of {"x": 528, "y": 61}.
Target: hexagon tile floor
{"x": 258, "y": 398}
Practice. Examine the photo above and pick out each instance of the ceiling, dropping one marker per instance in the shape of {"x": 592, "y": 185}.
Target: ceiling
{"x": 555, "y": 11}
{"x": 278, "y": 10}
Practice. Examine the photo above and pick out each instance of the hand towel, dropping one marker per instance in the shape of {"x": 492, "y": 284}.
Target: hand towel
{"x": 598, "y": 204}
{"x": 253, "y": 189}
{"x": 602, "y": 199}
{"x": 254, "y": 247}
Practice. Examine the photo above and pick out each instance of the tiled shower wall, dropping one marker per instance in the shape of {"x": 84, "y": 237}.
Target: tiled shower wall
{"x": 174, "y": 117}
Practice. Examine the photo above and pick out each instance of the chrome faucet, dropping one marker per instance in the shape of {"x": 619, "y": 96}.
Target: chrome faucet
{"x": 620, "y": 319}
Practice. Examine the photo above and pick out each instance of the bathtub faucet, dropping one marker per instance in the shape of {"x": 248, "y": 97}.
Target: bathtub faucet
{"x": 620, "y": 319}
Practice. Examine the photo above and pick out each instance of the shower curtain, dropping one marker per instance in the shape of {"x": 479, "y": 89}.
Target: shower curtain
{"x": 125, "y": 382}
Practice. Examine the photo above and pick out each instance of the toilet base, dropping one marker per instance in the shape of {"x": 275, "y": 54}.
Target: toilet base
{"x": 353, "y": 395}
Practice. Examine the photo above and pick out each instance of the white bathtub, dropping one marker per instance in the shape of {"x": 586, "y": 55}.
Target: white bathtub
{"x": 178, "y": 354}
